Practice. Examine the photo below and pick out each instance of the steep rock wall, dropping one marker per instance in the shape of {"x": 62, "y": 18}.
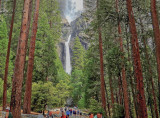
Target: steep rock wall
{"x": 76, "y": 28}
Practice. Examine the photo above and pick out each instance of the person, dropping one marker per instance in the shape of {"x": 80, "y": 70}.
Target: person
{"x": 99, "y": 115}
{"x": 67, "y": 116}
{"x": 65, "y": 109}
{"x": 63, "y": 115}
{"x": 70, "y": 111}
{"x": 50, "y": 113}
{"x": 91, "y": 115}
{"x": 8, "y": 113}
{"x": 67, "y": 112}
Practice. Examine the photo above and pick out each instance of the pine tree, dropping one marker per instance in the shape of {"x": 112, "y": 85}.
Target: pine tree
{"x": 156, "y": 29}
{"x": 142, "y": 109}
{"x": 78, "y": 55}
{"x": 7, "y": 58}
{"x": 124, "y": 81}
{"x": 3, "y": 53}
{"x": 103, "y": 96}
{"x": 19, "y": 64}
{"x": 3, "y": 45}
{"x": 45, "y": 51}
{"x": 27, "y": 97}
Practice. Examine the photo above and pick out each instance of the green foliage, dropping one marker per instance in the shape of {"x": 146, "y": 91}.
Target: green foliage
{"x": 1, "y": 91}
{"x": 41, "y": 95}
{"x": 77, "y": 77}
{"x": 47, "y": 63}
{"x": 46, "y": 94}
{"x": 77, "y": 85}
{"x": 114, "y": 61}
{"x": 45, "y": 53}
{"x": 118, "y": 111}
{"x": 81, "y": 102}
{"x": 95, "y": 107}
{"x": 3, "y": 45}
{"x": 3, "y": 53}
{"x": 78, "y": 55}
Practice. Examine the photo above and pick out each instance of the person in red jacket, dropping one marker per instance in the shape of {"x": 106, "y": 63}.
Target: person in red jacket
{"x": 99, "y": 115}
{"x": 63, "y": 115}
{"x": 91, "y": 115}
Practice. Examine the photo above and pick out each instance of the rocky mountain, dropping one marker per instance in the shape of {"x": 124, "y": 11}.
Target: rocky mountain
{"x": 76, "y": 28}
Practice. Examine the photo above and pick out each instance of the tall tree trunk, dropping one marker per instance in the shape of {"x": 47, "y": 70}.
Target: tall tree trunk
{"x": 120, "y": 89}
{"x": 142, "y": 108}
{"x": 124, "y": 81}
{"x": 102, "y": 72}
{"x": 107, "y": 99}
{"x": 149, "y": 70}
{"x": 19, "y": 64}
{"x": 130, "y": 71}
{"x": 156, "y": 29}
{"x": 28, "y": 91}
{"x": 111, "y": 89}
{"x": 7, "y": 57}
{"x": 103, "y": 98}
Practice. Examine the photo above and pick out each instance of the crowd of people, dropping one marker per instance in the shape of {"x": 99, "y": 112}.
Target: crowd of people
{"x": 64, "y": 113}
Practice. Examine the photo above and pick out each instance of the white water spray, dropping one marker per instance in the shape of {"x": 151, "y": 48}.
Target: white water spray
{"x": 73, "y": 9}
{"x": 68, "y": 61}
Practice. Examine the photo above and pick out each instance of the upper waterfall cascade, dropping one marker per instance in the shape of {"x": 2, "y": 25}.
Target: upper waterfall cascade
{"x": 73, "y": 9}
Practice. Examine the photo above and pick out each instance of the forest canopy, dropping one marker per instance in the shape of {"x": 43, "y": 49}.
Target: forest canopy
{"x": 114, "y": 52}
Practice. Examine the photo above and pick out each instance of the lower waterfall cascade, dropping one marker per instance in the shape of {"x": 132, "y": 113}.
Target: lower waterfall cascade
{"x": 68, "y": 61}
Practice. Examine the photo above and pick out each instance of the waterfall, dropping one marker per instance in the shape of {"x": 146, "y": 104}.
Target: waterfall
{"x": 68, "y": 61}
{"x": 73, "y": 9}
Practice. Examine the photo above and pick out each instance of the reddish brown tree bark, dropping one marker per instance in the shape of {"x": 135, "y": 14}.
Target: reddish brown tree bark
{"x": 7, "y": 57}
{"x": 142, "y": 108}
{"x": 108, "y": 105}
{"x": 149, "y": 69}
{"x": 120, "y": 89}
{"x": 19, "y": 64}
{"x": 131, "y": 82}
{"x": 156, "y": 30}
{"x": 29, "y": 22}
{"x": 102, "y": 71}
{"x": 124, "y": 81}
{"x": 130, "y": 71}
{"x": 111, "y": 89}
{"x": 27, "y": 97}
{"x": 103, "y": 98}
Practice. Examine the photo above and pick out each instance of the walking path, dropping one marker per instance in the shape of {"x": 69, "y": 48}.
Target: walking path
{"x": 57, "y": 114}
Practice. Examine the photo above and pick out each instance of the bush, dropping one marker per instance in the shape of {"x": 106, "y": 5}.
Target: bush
{"x": 118, "y": 111}
{"x": 96, "y": 107}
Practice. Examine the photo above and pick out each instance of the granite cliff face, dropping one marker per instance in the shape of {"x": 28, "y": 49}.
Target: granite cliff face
{"x": 76, "y": 28}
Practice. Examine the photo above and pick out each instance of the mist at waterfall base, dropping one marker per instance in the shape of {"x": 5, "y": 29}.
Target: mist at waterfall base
{"x": 73, "y": 9}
